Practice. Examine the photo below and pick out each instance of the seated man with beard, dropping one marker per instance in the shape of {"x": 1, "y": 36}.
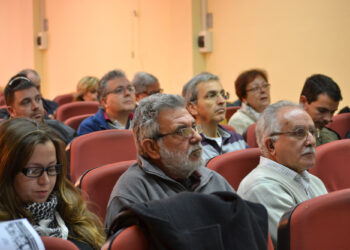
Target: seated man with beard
{"x": 169, "y": 153}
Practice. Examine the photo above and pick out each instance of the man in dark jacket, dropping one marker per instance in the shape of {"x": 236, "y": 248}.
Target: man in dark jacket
{"x": 117, "y": 100}
{"x": 24, "y": 100}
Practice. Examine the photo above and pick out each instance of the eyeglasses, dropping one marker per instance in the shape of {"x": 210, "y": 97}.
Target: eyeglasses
{"x": 255, "y": 89}
{"x": 154, "y": 92}
{"x": 213, "y": 95}
{"x": 16, "y": 81}
{"x": 35, "y": 172}
{"x": 121, "y": 90}
{"x": 186, "y": 132}
{"x": 299, "y": 133}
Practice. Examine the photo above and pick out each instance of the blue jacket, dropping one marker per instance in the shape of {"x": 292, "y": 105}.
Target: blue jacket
{"x": 96, "y": 122}
{"x": 93, "y": 123}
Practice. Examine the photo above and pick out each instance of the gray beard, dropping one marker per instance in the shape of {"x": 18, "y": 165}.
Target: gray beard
{"x": 178, "y": 165}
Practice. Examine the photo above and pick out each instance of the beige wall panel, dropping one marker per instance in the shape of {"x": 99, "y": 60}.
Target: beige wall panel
{"x": 16, "y": 38}
{"x": 290, "y": 39}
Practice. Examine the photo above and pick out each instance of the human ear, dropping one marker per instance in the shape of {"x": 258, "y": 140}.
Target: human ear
{"x": 11, "y": 111}
{"x": 151, "y": 148}
{"x": 270, "y": 145}
{"x": 192, "y": 108}
{"x": 303, "y": 100}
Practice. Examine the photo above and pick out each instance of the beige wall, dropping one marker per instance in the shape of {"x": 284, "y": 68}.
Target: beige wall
{"x": 93, "y": 37}
{"x": 290, "y": 39}
{"x": 16, "y": 39}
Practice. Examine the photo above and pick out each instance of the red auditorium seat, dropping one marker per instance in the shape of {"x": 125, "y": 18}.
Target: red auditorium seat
{"x": 97, "y": 184}
{"x": 320, "y": 223}
{"x": 234, "y": 166}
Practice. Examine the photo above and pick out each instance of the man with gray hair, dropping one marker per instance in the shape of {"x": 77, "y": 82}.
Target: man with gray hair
{"x": 117, "y": 100}
{"x": 145, "y": 85}
{"x": 206, "y": 101}
{"x": 169, "y": 153}
{"x": 286, "y": 138}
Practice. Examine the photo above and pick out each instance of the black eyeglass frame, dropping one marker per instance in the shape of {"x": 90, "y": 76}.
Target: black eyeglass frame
{"x": 58, "y": 168}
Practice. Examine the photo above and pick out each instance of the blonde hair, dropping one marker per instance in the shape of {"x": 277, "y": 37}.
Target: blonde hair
{"x": 85, "y": 85}
{"x": 18, "y": 139}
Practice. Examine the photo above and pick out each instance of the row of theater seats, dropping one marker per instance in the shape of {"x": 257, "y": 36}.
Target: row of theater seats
{"x": 96, "y": 183}
{"x": 320, "y": 223}
{"x": 72, "y": 113}
{"x": 114, "y": 146}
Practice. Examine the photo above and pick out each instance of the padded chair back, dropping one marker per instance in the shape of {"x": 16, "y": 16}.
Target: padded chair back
{"x": 320, "y": 223}
{"x": 99, "y": 148}
{"x": 234, "y": 166}
{"x": 332, "y": 164}
{"x": 340, "y": 124}
{"x": 131, "y": 238}
{"x": 97, "y": 184}
{"x": 54, "y": 243}
{"x": 63, "y": 99}
{"x": 251, "y": 136}
{"x": 230, "y": 111}
{"x": 75, "y": 121}
{"x": 71, "y": 109}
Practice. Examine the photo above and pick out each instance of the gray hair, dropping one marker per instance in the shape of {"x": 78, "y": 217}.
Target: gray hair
{"x": 142, "y": 80}
{"x": 268, "y": 123}
{"x": 102, "y": 85}
{"x": 190, "y": 91}
{"x": 145, "y": 122}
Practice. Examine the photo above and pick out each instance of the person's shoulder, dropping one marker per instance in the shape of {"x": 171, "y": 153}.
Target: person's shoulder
{"x": 328, "y": 132}
{"x": 58, "y": 124}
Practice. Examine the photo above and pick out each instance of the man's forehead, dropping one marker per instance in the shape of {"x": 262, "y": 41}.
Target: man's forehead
{"x": 118, "y": 81}
{"x": 289, "y": 115}
{"x": 174, "y": 117}
{"x": 209, "y": 85}
{"x": 325, "y": 101}
{"x": 25, "y": 93}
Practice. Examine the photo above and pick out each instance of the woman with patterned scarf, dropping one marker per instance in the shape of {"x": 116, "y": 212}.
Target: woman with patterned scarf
{"x": 33, "y": 185}
{"x": 253, "y": 90}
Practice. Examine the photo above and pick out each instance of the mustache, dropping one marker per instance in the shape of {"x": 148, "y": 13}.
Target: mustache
{"x": 309, "y": 150}
{"x": 194, "y": 148}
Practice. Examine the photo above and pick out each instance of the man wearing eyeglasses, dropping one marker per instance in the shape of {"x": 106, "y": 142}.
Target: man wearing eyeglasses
{"x": 169, "y": 156}
{"x": 117, "y": 100}
{"x": 320, "y": 97}
{"x": 286, "y": 137}
{"x": 23, "y": 99}
{"x": 145, "y": 85}
{"x": 206, "y": 101}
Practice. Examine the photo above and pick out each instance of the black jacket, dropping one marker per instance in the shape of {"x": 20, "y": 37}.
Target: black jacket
{"x": 192, "y": 221}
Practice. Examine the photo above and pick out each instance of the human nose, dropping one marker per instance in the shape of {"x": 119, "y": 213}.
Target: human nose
{"x": 35, "y": 105}
{"x": 43, "y": 179}
{"x": 195, "y": 137}
{"x": 328, "y": 117}
{"x": 310, "y": 139}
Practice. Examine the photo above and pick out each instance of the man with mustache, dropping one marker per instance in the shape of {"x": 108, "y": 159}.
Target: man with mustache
{"x": 320, "y": 97}
{"x": 23, "y": 99}
{"x": 285, "y": 134}
{"x": 169, "y": 156}
{"x": 206, "y": 101}
{"x": 117, "y": 100}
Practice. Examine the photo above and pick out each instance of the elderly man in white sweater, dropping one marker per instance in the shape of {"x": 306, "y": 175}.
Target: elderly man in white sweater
{"x": 285, "y": 134}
